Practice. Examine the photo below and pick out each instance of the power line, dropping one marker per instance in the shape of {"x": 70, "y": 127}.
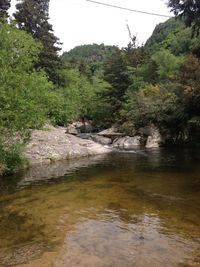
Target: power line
{"x": 128, "y": 9}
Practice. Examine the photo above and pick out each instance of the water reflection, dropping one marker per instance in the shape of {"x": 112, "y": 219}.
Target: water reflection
{"x": 124, "y": 209}
{"x": 47, "y": 172}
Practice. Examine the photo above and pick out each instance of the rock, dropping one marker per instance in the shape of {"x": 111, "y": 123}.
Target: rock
{"x": 79, "y": 127}
{"x": 48, "y": 146}
{"x": 127, "y": 142}
{"x": 86, "y": 136}
{"x": 71, "y": 129}
{"x": 154, "y": 140}
{"x": 111, "y": 133}
{"x": 86, "y": 128}
{"x": 101, "y": 139}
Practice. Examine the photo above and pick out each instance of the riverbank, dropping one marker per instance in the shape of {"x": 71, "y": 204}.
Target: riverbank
{"x": 54, "y": 144}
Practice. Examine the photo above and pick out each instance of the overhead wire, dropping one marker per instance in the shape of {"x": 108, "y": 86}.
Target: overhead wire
{"x": 129, "y": 9}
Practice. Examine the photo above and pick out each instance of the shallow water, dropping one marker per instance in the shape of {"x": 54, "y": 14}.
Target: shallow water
{"x": 124, "y": 209}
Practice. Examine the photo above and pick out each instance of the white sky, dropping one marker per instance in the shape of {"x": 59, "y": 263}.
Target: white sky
{"x": 78, "y": 22}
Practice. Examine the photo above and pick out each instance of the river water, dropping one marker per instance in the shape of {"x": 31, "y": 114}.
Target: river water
{"x": 125, "y": 209}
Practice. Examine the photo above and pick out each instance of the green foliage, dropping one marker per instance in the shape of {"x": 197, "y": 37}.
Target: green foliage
{"x": 157, "y": 83}
{"x": 178, "y": 41}
{"x": 78, "y": 98}
{"x": 117, "y": 75}
{"x": 195, "y": 46}
{"x": 88, "y": 54}
{"x": 165, "y": 87}
{"x": 174, "y": 36}
{"x": 189, "y": 10}
{"x": 190, "y": 80}
{"x": 4, "y": 6}
{"x": 167, "y": 64}
{"x": 161, "y": 106}
{"x": 162, "y": 31}
{"x": 32, "y": 16}
{"x": 23, "y": 91}
{"x": 10, "y": 157}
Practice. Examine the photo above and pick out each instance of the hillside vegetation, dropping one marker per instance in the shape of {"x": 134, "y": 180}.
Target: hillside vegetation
{"x": 131, "y": 87}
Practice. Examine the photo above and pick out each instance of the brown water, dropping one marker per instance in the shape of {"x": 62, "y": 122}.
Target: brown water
{"x": 124, "y": 209}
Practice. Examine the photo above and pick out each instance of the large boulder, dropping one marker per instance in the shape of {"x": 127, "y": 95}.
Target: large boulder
{"x": 101, "y": 139}
{"x": 86, "y": 136}
{"x": 48, "y": 146}
{"x": 127, "y": 142}
{"x": 154, "y": 139}
{"x": 111, "y": 133}
{"x": 78, "y": 127}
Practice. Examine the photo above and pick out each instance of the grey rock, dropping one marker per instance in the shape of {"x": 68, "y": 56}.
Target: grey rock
{"x": 111, "y": 133}
{"x": 48, "y": 146}
{"x": 71, "y": 129}
{"x": 127, "y": 142}
{"x": 87, "y": 136}
{"x": 101, "y": 139}
{"x": 154, "y": 140}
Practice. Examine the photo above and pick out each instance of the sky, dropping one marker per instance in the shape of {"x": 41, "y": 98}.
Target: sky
{"x": 79, "y": 22}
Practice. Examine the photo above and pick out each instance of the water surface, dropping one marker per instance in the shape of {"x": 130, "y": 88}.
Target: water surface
{"x": 125, "y": 209}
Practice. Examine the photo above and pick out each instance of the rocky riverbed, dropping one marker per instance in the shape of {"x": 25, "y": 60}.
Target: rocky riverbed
{"x": 55, "y": 144}
{"x": 60, "y": 143}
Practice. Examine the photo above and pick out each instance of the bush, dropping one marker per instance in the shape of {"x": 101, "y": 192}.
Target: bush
{"x": 162, "y": 105}
{"x": 10, "y": 158}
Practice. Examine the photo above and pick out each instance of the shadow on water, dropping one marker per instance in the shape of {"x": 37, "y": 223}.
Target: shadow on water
{"x": 128, "y": 208}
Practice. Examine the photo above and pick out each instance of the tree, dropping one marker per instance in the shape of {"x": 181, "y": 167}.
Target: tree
{"x": 117, "y": 75}
{"x": 24, "y": 93}
{"x": 189, "y": 10}
{"x": 32, "y": 16}
{"x": 161, "y": 105}
{"x": 23, "y": 90}
{"x": 190, "y": 79}
{"x": 4, "y": 6}
{"x": 167, "y": 64}
{"x": 134, "y": 53}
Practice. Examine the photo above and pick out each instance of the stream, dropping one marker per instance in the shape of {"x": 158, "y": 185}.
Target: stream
{"x": 124, "y": 209}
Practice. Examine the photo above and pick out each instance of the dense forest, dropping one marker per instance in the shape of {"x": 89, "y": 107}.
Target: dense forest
{"x": 131, "y": 87}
